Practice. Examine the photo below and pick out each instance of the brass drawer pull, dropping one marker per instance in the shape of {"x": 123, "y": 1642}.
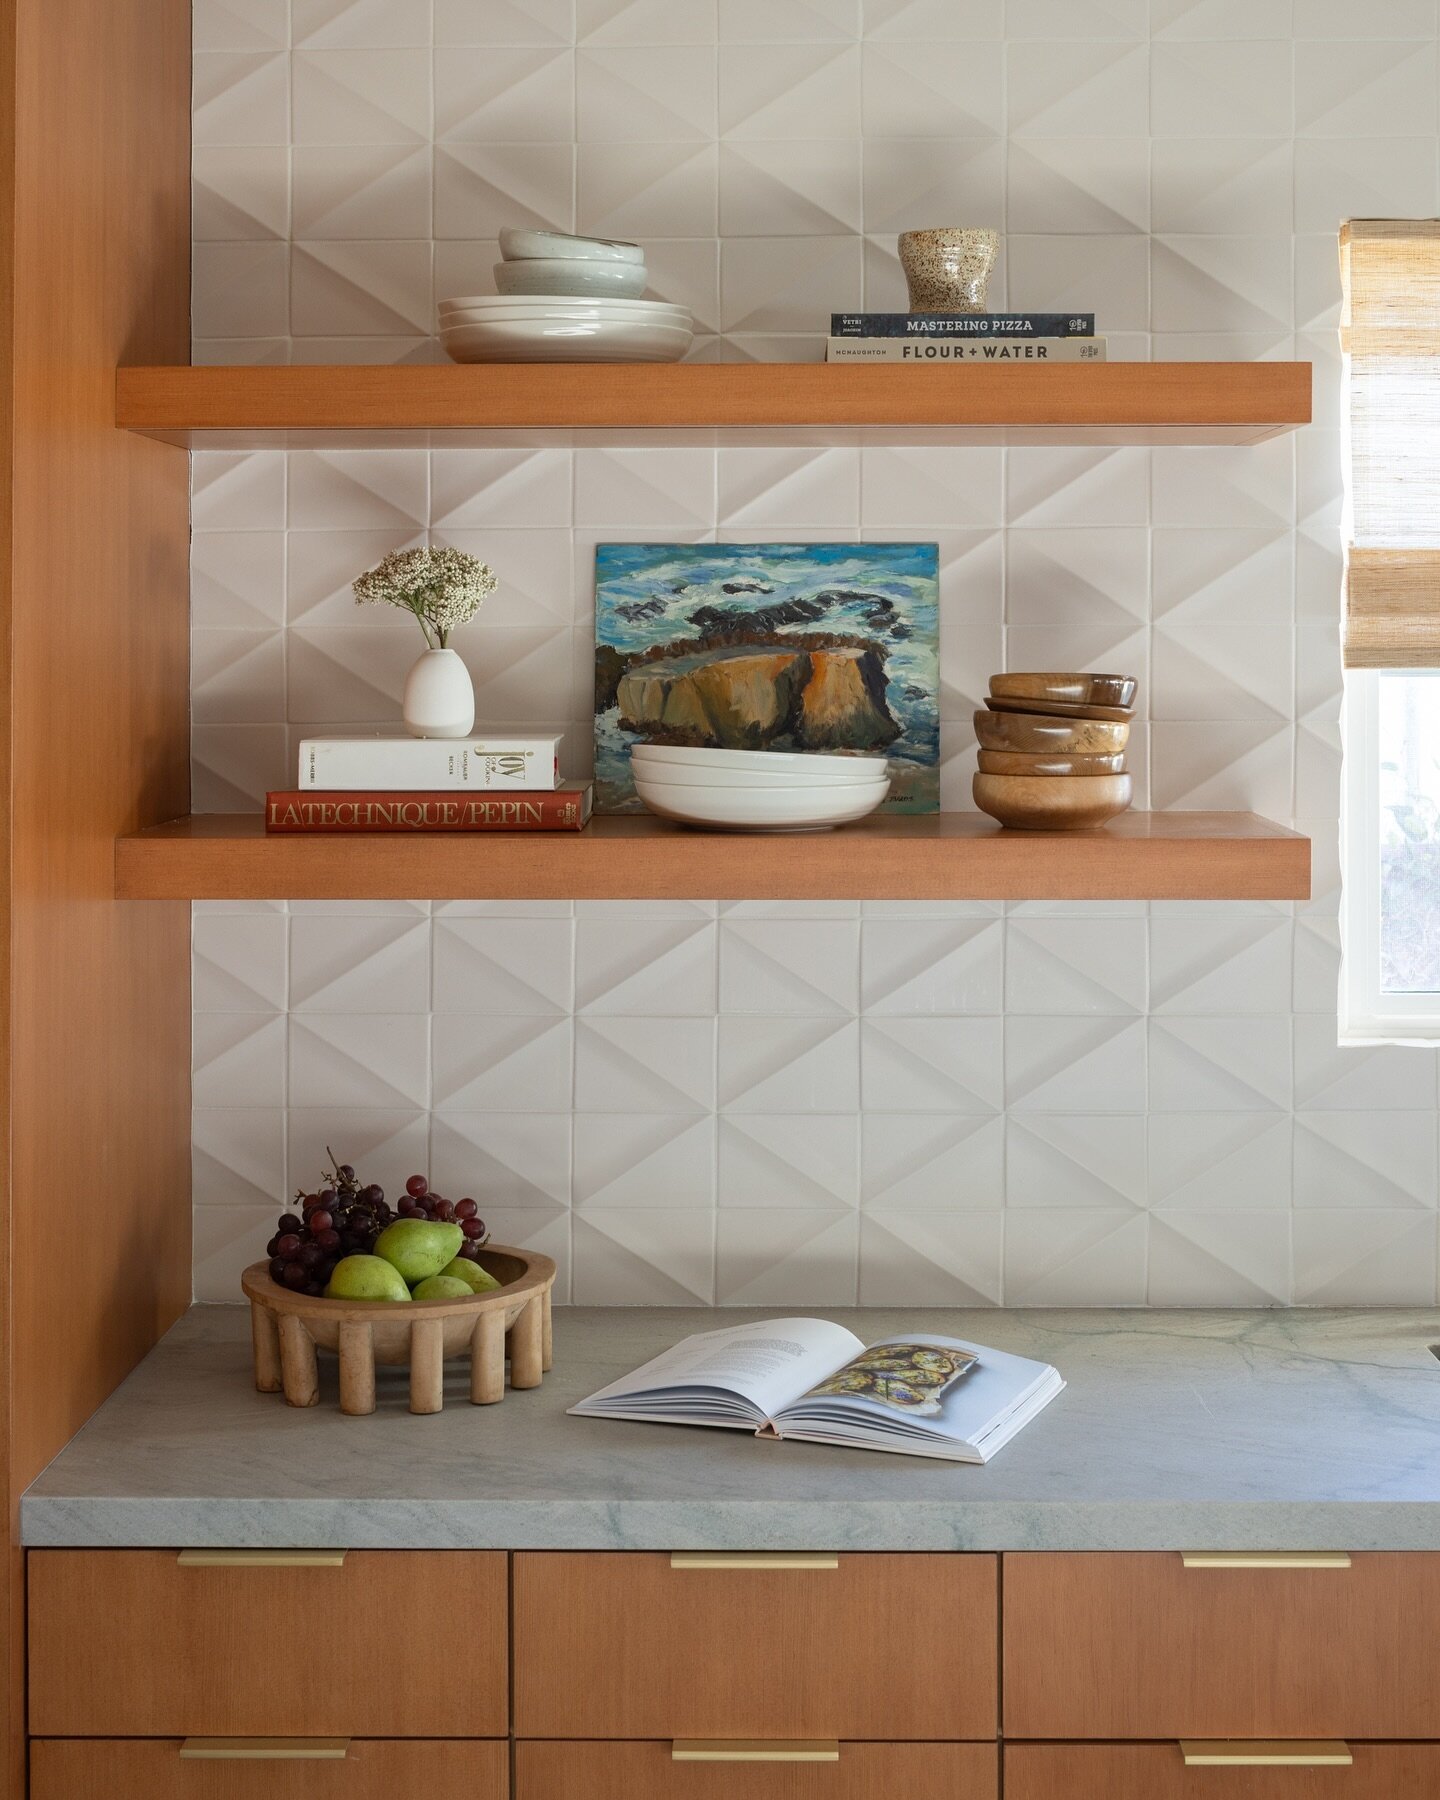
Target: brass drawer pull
{"x": 1295, "y": 1754}
{"x": 261, "y": 1559}
{"x": 750, "y": 1559}
{"x": 258, "y": 1749}
{"x": 733, "y": 1750}
{"x": 1265, "y": 1559}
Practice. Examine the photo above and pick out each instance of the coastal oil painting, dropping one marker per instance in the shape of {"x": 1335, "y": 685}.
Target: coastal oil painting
{"x": 818, "y": 647}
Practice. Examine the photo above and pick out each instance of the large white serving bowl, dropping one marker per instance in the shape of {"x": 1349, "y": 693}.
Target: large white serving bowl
{"x": 761, "y": 780}
{"x": 518, "y": 244}
{"x": 572, "y": 275}
{"x": 742, "y": 765}
{"x": 762, "y": 809}
{"x": 558, "y": 306}
{"x": 558, "y": 340}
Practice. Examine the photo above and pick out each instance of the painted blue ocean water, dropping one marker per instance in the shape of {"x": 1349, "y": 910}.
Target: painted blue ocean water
{"x": 664, "y": 602}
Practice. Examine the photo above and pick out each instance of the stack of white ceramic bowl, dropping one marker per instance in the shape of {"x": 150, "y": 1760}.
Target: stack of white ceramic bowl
{"x": 565, "y": 299}
{"x": 757, "y": 790}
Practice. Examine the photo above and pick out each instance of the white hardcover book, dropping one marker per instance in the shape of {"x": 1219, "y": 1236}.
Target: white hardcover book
{"x": 964, "y": 349}
{"x": 484, "y": 762}
{"x": 916, "y": 1394}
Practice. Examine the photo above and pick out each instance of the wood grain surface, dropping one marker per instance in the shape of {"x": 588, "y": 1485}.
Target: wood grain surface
{"x": 620, "y": 1645}
{"x": 1157, "y": 1772}
{"x": 1138, "y": 1646}
{"x": 961, "y": 856}
{"x": 644, "y": 1771}
{"x": 395, "y": 1643}
{"x": 151, "y": 1769}
{"x": 95, "y": 216}
{"x": 1142, "y": 402}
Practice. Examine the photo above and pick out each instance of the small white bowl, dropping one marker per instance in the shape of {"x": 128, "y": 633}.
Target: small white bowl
{"x": 517, "y": 244}
{"x": 743, "y": 763}
{"x": 762, "y": 809}
{"x": 572, "y": 275}
{"x": 558, "y": 312}
{"x": 475, "y": 307}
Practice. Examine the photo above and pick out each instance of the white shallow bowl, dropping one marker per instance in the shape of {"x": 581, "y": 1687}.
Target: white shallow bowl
{"x": 571, "y": 275}
{"x": 762, "y": 809}
{"x": 476, "y": 307}
{"x": 558, "y": 340}
{"x": 737, "y": 781}
{"x": 517, "y": 244}
{"x": 742, "y": 763}
{"x": 557, "y": 315}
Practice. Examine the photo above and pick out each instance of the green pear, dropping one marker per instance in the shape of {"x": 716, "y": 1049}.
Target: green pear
{"x": 478, "y": 1280}
{"x": 365, "y": 1278}
{"x": 419, "y": 1248}
{"x": 441, "y": 1287}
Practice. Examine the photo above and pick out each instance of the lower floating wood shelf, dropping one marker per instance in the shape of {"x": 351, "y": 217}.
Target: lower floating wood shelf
{"x": 955, "y": 856}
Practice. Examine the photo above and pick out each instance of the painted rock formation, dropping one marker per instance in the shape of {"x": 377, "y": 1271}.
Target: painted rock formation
{"x": 744, "y": 699}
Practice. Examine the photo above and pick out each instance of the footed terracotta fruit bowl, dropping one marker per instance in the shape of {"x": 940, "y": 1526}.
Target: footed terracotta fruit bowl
{"x": 512, "y": 1321}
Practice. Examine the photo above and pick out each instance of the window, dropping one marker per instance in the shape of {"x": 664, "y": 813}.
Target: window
{"x": 1391, "y": 981}
{"x": 1390, "y": 912}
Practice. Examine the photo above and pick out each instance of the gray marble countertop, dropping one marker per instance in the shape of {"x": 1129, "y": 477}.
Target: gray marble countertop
{"x": 1212, "y": 1430}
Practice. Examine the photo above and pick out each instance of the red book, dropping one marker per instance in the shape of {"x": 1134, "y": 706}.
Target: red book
{"x": 566, "y": 809}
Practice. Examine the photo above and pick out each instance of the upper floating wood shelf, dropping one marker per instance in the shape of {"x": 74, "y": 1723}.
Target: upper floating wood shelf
{"x": 957, "y": 856}
{"x": 1065, "y": 403}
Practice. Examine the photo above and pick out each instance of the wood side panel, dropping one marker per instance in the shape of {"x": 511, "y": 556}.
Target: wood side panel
{"x": 1160, "y": 856}
{"x": 94, "y": 212}
{"x": 396, "y": 1643}
{"x": 152, "y": 1769}
{"x": 1103, "y": 1645}
{"x": 644, "y": 1771}
{"x": 1158, "y": 1772}
{"x": 1242, "y": 401}
{"x": 13, "y": 1757}
{"x": 99, "y": 593}
{"x": 620, "y": 1645}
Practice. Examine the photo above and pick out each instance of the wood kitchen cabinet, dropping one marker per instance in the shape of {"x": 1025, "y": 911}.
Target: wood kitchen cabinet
{"x": 389, "y": 1643}
{"x": 633, "y": 1645}
{"x": 649, "y": 1771}
{"x": 625, "y": 1676}
{"x": 1111, "y": 1645}
{"x": 154, "y": 1769}
{"x": 1158, "y": 1772}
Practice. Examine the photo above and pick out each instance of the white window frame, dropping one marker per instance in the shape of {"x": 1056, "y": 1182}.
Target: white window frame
{"x": 1367, "y": 1015}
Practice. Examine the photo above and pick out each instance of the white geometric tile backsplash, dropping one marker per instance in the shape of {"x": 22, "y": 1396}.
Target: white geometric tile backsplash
{"x": 809, "y": 1105}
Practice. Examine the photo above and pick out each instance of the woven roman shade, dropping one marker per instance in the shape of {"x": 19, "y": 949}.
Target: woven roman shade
{"x": 1390, "y": 332}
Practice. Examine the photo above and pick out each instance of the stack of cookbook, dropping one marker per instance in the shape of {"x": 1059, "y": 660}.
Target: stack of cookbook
{"x": 479, "y": 783}
{"x": 931, "y": 338}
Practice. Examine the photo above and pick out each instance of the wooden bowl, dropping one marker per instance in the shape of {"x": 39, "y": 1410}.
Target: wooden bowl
{"x": 1034, "y": 732}
{"x": 1061, "y": 709}
{"x": 287, "y": 1329}
{"x": 1042, "y": 762}
{"x": 1052, "y": 802}
{"x": 1068, "y": 688}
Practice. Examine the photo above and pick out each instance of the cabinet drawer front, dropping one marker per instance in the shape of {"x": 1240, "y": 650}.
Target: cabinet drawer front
{"x": 621, "y": 1645}
{"x": 393, "y": 1643}
{"x": 1140, "y": 1646}
{"x": 1158, "y": 1772}
{"x": 152, "y": 1769}
{"x": 646, "y": 1771}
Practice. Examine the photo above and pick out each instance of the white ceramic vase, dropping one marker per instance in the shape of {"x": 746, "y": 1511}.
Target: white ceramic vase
{"x": 439, "y": 697}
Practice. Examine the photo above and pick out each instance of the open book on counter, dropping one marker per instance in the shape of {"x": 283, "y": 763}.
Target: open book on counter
{"x": 917, "y": 1394}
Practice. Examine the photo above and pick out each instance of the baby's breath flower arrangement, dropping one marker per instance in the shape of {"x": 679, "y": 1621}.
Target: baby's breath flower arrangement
{"x": 442, "y": 588}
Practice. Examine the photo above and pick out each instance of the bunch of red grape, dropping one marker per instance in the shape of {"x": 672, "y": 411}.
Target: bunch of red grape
{"x": 417, "y": 1202}
{"x": 341, "y": 1218}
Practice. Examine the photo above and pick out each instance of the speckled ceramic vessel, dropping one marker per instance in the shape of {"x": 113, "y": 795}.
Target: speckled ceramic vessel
{"x": 948, "y": 268}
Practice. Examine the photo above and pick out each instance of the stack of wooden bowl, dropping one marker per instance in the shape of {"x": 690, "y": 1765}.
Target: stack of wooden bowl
{"x": 1052, "y": 750}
